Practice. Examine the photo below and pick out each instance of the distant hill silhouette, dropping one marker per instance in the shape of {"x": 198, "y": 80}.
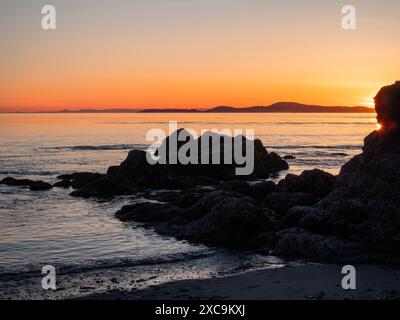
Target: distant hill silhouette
{"x": 283, "y": 107}
{"x": 126, "y": 110}
{"x": 171, "y": 110}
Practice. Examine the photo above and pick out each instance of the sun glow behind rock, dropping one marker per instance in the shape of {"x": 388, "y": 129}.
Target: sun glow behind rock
{"x": 368, "y": 102}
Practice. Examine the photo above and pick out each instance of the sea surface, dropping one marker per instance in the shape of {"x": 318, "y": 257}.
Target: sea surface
{"x": 78, "y": 235}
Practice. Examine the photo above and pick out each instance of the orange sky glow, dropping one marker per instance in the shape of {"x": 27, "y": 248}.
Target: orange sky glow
{"x": 195, "y": 56}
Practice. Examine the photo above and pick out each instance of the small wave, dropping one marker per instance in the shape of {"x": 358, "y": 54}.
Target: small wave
{"x": 336, "y": 154}
{"x": 145, "y": 146}
{"x": 29, "y": 173}
{"x": 339, "y": 147}
{"x": 102, "y": 147}
{"x": 32, "y": 270}
{"x": 318, "y": 154}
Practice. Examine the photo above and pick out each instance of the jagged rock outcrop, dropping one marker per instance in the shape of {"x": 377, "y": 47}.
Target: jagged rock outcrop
{"x": 387, "y": 106}
{"x": 136, "y": 173}
{"x": 137, "y": 167}
{"x": 217, "y": 218}
{"x": 364, "y": 206}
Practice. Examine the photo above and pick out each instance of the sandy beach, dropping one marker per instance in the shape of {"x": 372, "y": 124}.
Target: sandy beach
{"x": 302, "y": 282}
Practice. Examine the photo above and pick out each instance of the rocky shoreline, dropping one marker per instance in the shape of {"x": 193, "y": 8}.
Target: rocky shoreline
{"x": 352, "y": 217}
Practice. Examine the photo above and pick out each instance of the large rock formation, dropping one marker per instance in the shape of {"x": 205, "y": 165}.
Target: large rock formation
{"x": 137, "y": 167}
{"x": 136, "y": 173}
{"x": 387, "y": 106}
{"x": 365, "y": 204}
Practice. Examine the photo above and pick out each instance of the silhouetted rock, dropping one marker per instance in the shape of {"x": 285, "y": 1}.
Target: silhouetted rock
{"x": 232, "y": 222}
{"x": 63, "y": 184}
{"x": 382, "y": 141}
{"x": 295, "y": 215}
{"x": 289, "y": 157}
{"x": 136, "y": 170}
{"x": 105, "y": 186}
{"x": 78, "y": 179}
{"x": 216, "y": 218}
{"x": 16, "y": 182}
{"x": 260, "y": 190}
{"x": 364, "y": 206}
{"x": 387, "y": 106}
{"x": 236, "y": 186}
{"x": 188, "y": 199}
{"x": 148, "y": 212}
{"x": 301, "y": 243}
{"x": 274, "y": 163}
{"x": 40, "y": 186}
{"x": 315, "y": 181}
{"x": 282, "y": 201}
{"x": 33, "y": 185}
{"x": 165, "y": 196}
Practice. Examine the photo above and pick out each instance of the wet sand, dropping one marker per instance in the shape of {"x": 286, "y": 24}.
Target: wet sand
{"x": 302, "y": 282}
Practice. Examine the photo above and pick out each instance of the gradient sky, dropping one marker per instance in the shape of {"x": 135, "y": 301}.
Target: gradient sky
{"x": 194, "y": 53}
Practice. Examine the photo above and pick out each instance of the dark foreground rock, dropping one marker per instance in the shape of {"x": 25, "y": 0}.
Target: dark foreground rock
{"x": 77, "y": 180}
{"x": 281, "y": 202}
{"x": 316, "y": 182}
{"x": 387, "y": 105}
{"x": 217, "y": 218}
{"x": 257, "y": 189}
{"x": 231, "y": 219}
{"x": 90, "y": 184}
{"x": 305, "y": 244}
{"x": 106, "y": 186}
{"x": 364, "y": 205}
{"x": 33, "y": 185}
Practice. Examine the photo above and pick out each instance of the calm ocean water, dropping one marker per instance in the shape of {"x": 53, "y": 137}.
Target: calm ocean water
{"x": 38, "y": 228}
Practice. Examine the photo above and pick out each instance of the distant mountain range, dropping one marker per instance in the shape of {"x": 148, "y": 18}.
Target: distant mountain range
{"x": 280, "y": 107}
{"x": 126, "y": 110}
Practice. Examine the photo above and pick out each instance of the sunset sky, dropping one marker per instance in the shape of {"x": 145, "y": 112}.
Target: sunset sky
{"x": 195, "y": 53}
